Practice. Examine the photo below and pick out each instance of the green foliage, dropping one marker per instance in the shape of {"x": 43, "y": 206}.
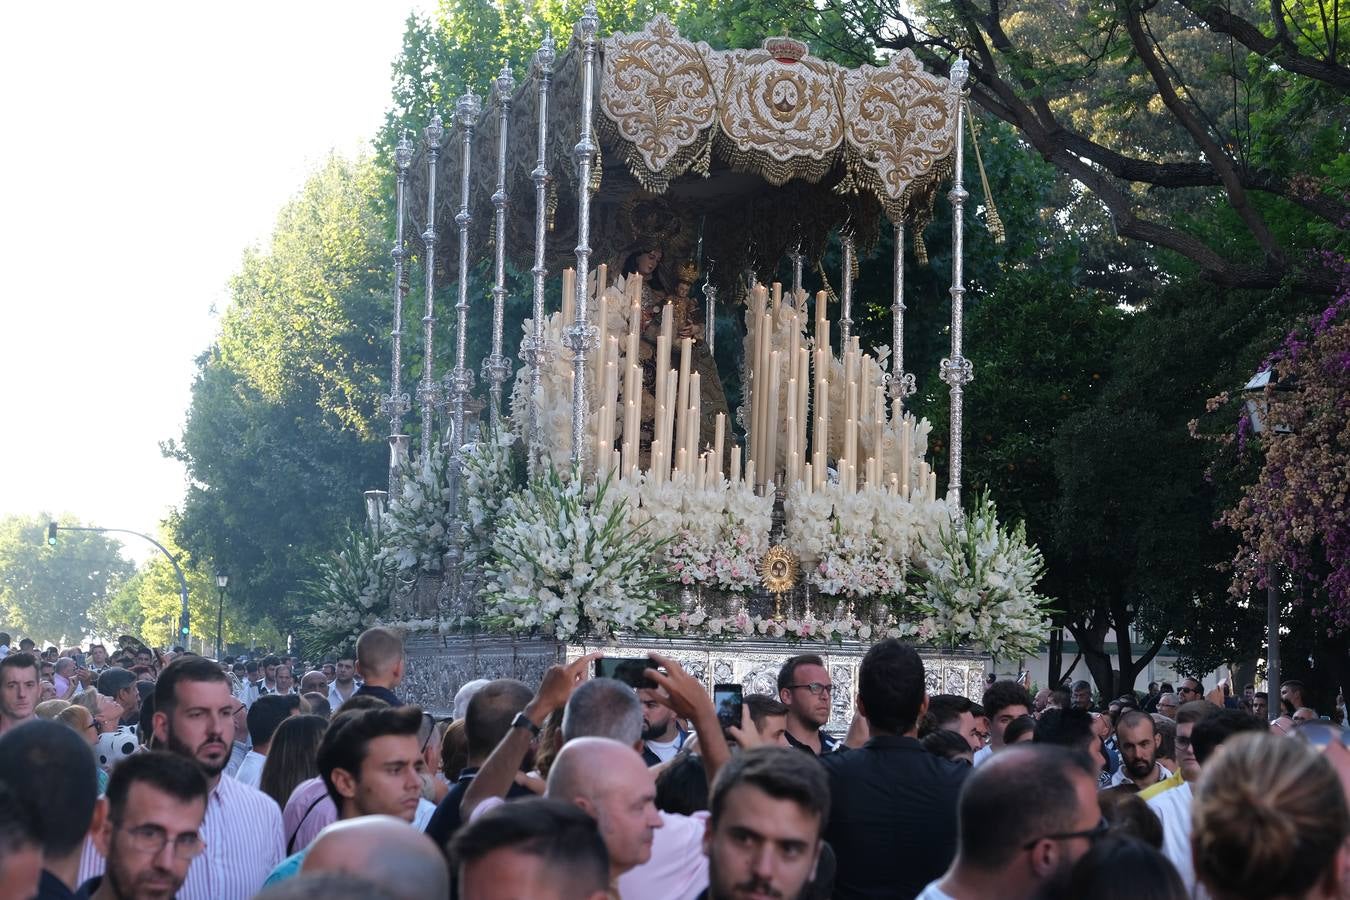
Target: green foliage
{"x": 48, "y": 593}
{"x": 149, "y": 604}
{"x": 280, "y": 438}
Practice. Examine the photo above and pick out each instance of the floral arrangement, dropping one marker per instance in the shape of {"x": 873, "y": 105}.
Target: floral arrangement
{"x": 807, "y": 627}
{"x": 492, "y": 469}
{"x": 413, "y": 530}
{"x": 565, "y": 556}
{"x": 717, "y": 532}
{"x": 350, "y": 592}
{"x": 978, "y": 586}
{"x": 859, "y": 544}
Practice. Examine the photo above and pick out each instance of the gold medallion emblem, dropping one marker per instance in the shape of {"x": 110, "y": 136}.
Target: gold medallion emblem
{"x": 778, "y": 570}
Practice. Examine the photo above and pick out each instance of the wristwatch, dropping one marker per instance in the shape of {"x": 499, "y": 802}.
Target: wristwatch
{"x": 523, "y": 721}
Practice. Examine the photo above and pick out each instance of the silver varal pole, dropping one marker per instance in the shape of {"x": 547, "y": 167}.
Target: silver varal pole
{"x": 797, "y": 260}
{"x": 397, "y": 403}
{"x": 496, "y": 368}
{"x": 956, "y": 370}
{"x": 710, "y": 310}
{"x": 467, "y": 108}
{"x": 846, "y": 295}
{"x": 428, "y": 392}
{"x": 535, "y": 354}
{"x": 902, "y": 383}
{"x": 581, "y": 335}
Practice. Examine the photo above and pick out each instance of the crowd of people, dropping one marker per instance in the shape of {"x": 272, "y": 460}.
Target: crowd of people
{"x": 142, "y": 775}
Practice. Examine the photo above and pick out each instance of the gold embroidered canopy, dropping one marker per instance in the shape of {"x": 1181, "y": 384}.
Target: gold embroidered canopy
{"x": 670, "y": 106}
{"x": 759, "y": 151}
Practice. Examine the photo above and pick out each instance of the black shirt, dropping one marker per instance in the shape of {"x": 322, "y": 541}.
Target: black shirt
{"x": 892, "y": 817}
{"x": 52, "y": 888}
{"x": 828, "y": 742}
{"x": 380, "y": 693}
{"x": 446, "y": 820}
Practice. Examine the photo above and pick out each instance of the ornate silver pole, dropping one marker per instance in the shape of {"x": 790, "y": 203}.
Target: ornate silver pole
{"x": 397, "y": 402}
{"x": 956, "y": 370}
{"x": 797, "y": 260}
{"x": 497, "y": 367}
{"x": 902, "y": 383}
{"x": 467, "y": 108}
{"x": 846, "y": 296}
{"x": 709, "y": 310}
{"x": 534, "y": 348}
{"x": 428, "y": 392}
{"x": 582, "y": 334}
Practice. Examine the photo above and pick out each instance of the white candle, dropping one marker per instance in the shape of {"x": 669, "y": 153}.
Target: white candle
{"x": 735, "y": 464}
{"x": 682, "y": 398}
{"x": 569, "y": 297}
{"x": 719, "y": 435}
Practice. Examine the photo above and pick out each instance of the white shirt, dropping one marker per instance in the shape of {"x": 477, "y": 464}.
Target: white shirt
{"x": 933, "y": 892}
{"x": 244, "y": 843}
{"x": 666, "y": 750}
{"x": 981, "y": 757}
{"x": 247, "y": 692}
{"x": 1173, "y": 808}
{"x": 335, "y": 698}
{"x": 238, "y": 750}
{"x": 250, "y": 770}
{"x": 1122, "y": 778}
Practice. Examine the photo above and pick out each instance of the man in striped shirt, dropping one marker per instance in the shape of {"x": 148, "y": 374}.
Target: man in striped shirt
{"x": 194, "y": 717}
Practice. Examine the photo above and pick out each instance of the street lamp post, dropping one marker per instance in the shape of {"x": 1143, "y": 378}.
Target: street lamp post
{"x": 222, "y": 582}
{"x": 1258, "y": 408}
{"x": 184, "y": 616}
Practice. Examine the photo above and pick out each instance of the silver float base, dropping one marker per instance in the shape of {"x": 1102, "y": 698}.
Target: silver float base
{"x": 439, "y": 664}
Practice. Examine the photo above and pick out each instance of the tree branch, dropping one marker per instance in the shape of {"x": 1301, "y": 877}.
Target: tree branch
{"x": 1280, "y": 50}
{"x": 1237, "y": 197}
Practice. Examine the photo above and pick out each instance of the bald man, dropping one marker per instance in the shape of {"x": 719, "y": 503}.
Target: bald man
{"x": 382, "y": 849}
{"x": 612, "y": 785}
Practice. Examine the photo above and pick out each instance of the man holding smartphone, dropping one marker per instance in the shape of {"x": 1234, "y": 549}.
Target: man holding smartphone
{"x": 662, "y": 736}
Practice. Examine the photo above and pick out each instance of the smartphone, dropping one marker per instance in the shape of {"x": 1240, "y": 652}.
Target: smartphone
{"x": 632, "y": 672}
{"x": 728, "y": 703}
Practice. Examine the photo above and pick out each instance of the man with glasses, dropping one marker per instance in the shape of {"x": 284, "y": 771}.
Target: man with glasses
{"x": 1168, "y": 704}
{"x": 194, "y": 718}
{"x": 1190, "y": 690}
{"x": 1026, "y": 816}
{"x": 804, "y": 687}
{"x": 156, "y": 802}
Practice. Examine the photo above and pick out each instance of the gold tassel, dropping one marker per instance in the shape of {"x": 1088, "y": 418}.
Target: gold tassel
{"x": 992, "y": 220}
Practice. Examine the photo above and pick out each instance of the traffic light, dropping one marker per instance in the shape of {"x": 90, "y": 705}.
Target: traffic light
{"x": 51, "y": 533}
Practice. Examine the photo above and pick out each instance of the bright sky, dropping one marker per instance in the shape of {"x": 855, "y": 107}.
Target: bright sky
{"x": 144, "y": 145}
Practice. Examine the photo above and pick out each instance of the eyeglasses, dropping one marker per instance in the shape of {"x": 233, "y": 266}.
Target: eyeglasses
{"x": 1092, "y": 834}
{"x": 815, "y": 687}
{"x": 151, "y": 839}
{"x": 1187, "y": 690}
{"x": 1322, "y": 734}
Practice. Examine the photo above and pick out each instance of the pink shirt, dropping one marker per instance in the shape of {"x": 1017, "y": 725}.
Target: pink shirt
{"x": 244, "y": 842}
{"x": 309, "y": 810}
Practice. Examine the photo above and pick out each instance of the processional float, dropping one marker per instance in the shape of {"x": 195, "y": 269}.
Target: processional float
{"x": 728, "y": 163}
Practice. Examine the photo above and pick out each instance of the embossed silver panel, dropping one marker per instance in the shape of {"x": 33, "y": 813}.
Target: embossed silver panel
{"x": 437, "y": 665}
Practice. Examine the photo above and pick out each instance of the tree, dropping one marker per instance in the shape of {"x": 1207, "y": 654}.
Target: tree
{"x": 1177, "y": 116}
{"x": 47, "y": 592}
{"x": 151, "y": 601}
{"x": 282, "y": 437}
